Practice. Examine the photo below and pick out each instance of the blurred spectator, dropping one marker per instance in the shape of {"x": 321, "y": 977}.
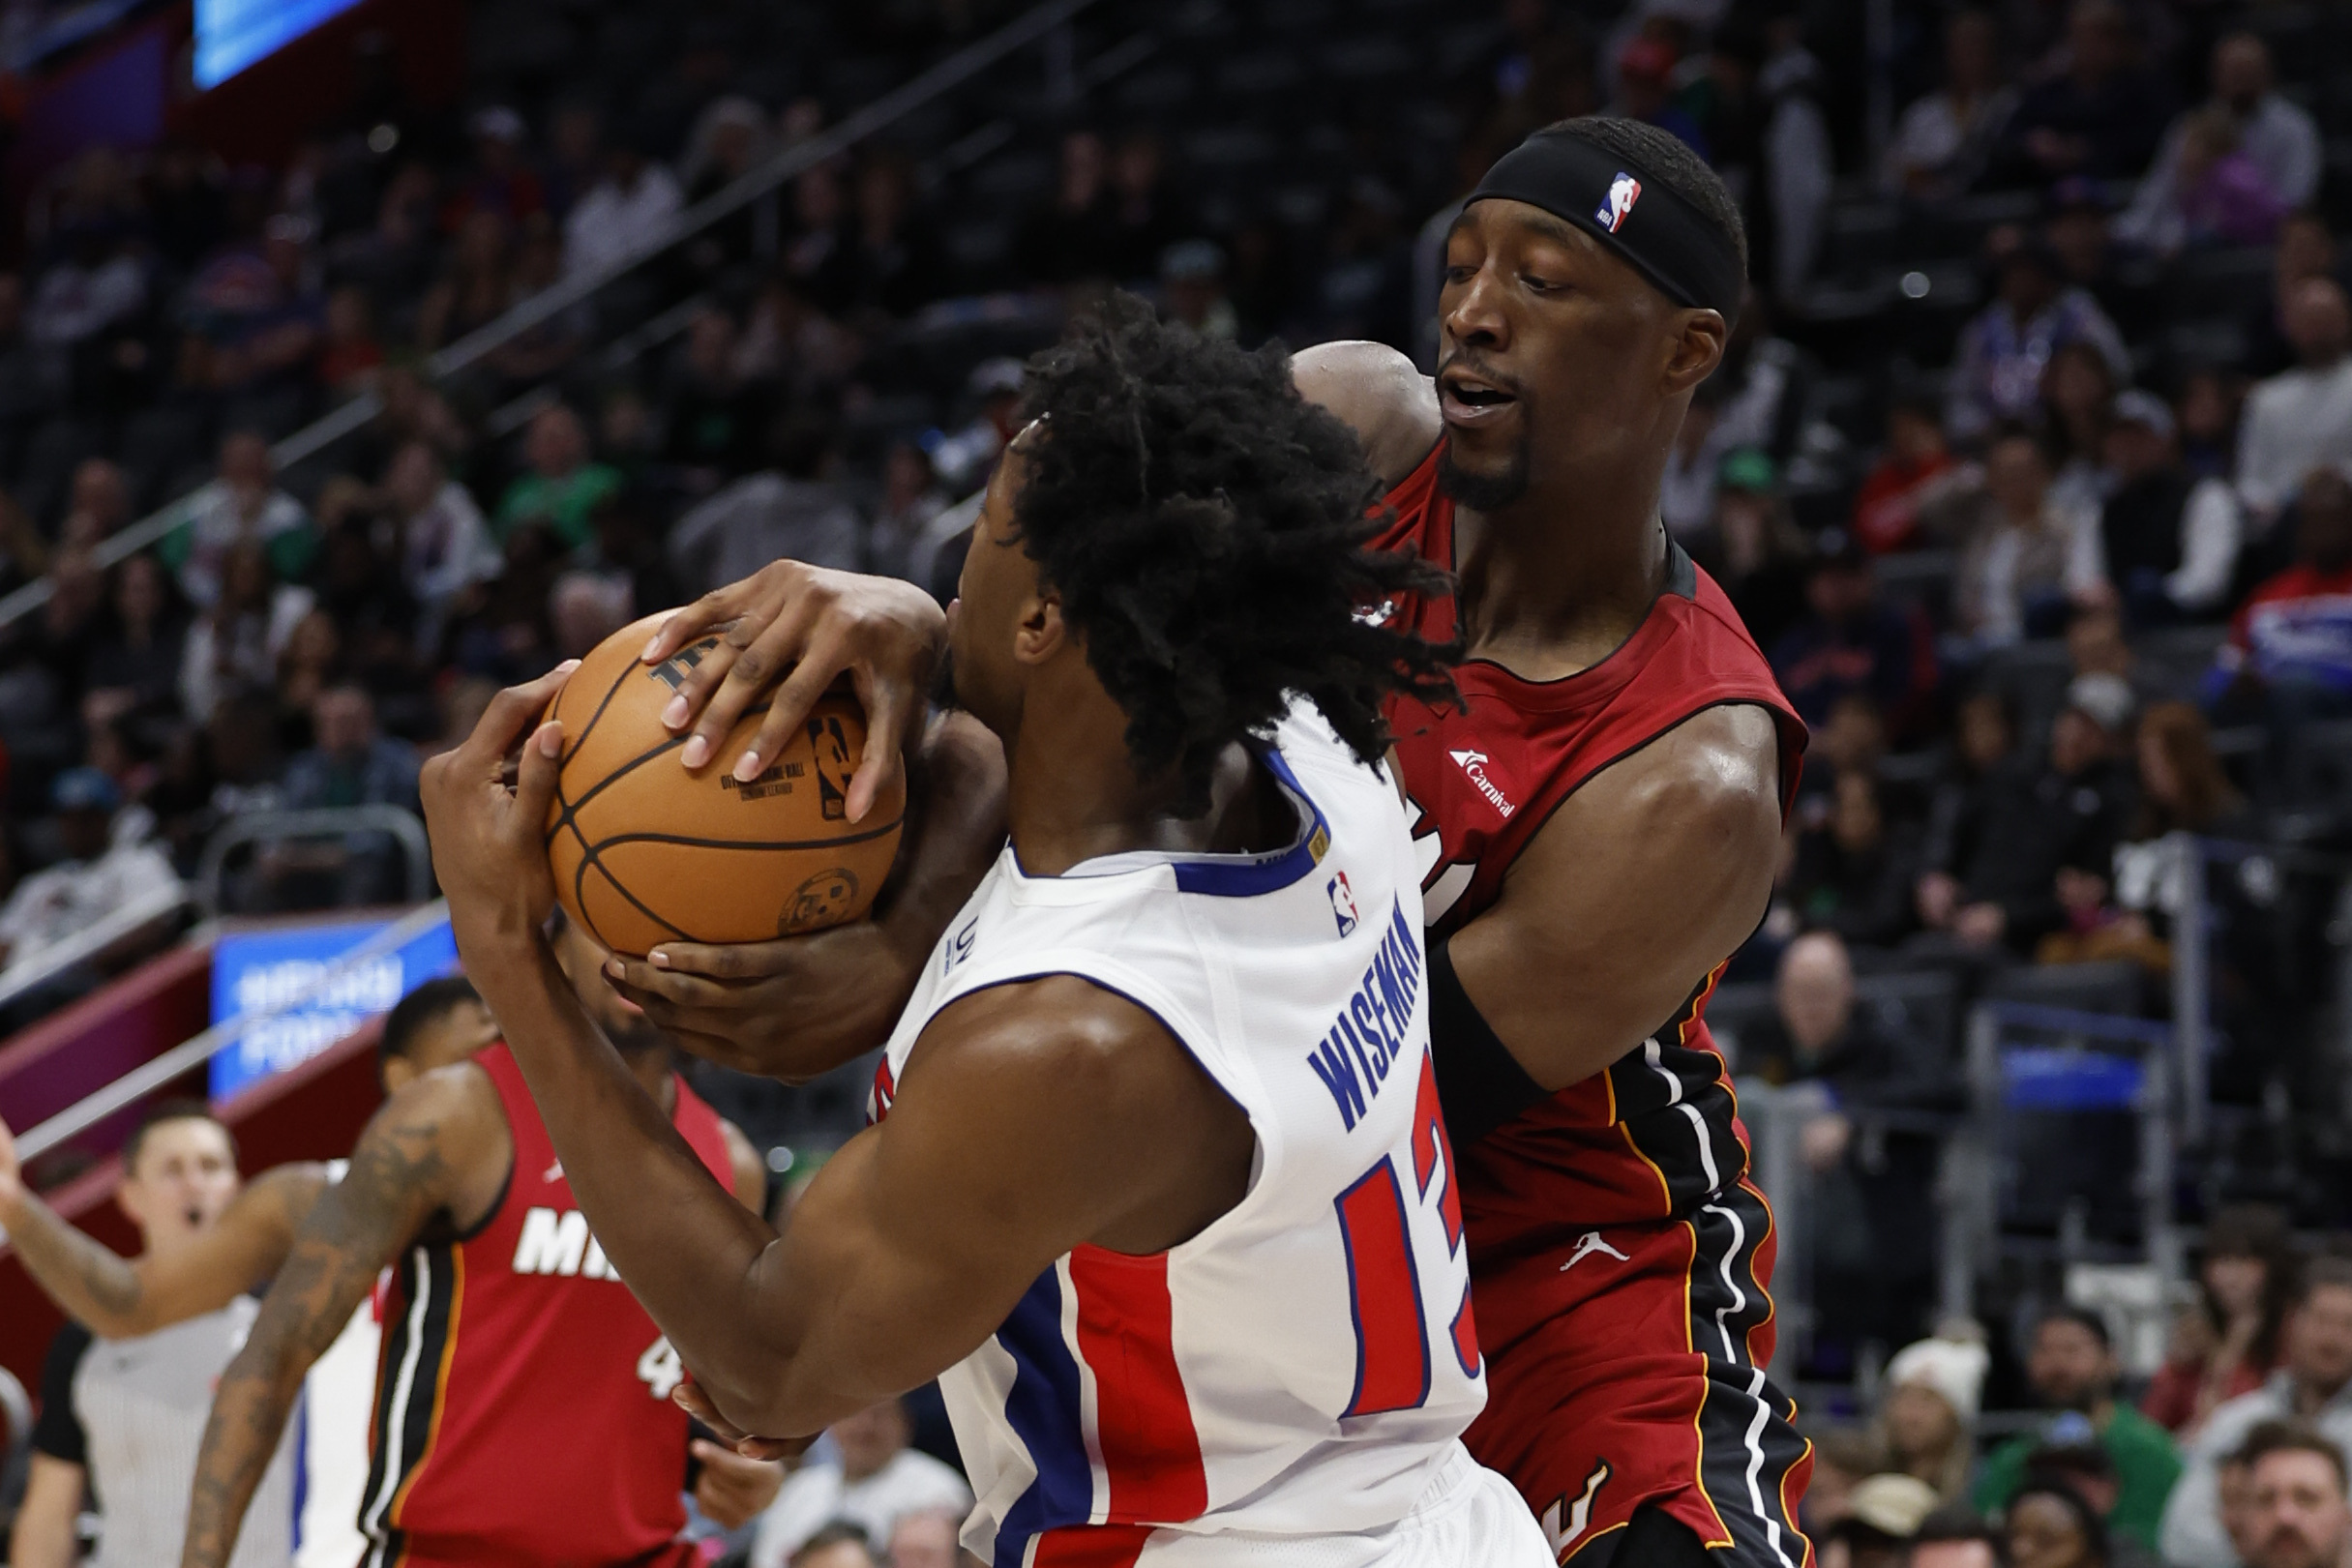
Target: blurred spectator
{"x": 791, "y": 509}
{"x": 630, "y": 208}
{"x": 1644, "y": 91}
{"x": 236, "y": 642}
{"x": 2289, "y": 653}
{"x": 2306, "y": 249}
{"x": 2050, "y": 1525}
{"x": 351, "y": 763}
{"x": 1843, "y": 1458}
{"x": 2209, "y": 193}
{"x": 109, "y": 867}
{"x": 1694, "y": 465}
{"x": 2313, "y": 1384}
{"x": 500, "y": 180}
{"x": 1998, "y": 364}
{"x": 1853, "y": 871}
{"x": 2274, "y": 139}
{"x": 96, "y": 283}
{"x": 1945, "y": 139}
{"x": 2166, "y": 542}
{"x": 1955, "y": 1538}
{"x": 2082, "y": 1466}
{"x": 2300, "y": 418}
{"x": 1072, "y": 237}
{"x": 243, "y": 505}
{"x": 475, "y": 288}
{"x": 838, "y": 1545}
{"x": 1146, "y": 215}
{"x": 2017, "y": 545}
{"x": 893, "y": 250}
{"x": 1752, "y": 547}
{"x": 2032, "y": 829}
{"x": 431, "y": 527}
{"x": 1192, "y": 281}
{"x": 1365, "y": 286}
{"x": 1882, "y": 1518}
{"x": 585, "y": 608}
{"x": 2245, "y": 1282}
{"x": 1874, "y": 1256}
{"x": 2077, "y": 407}
{"x": 1796, "y": 162}
{"x": 98, "y": 504}
{"x": 565, "y": 484}
{"x": 2074, "y": 1373}
{"x": 877, "y": 1481}
{"x": 925, "y": 1540}
{"x": 911, "y": 503}
{"x": 2207, "y": 410}
{"x": 1928, "y": 1416}
{"x": 1916, "y": 467}
{"x": 713, "y": 416}
{"x": 2298, "y": 1517}
{"x": 1851, "y": 639}
{"x": 2183, "y": 790}
{"x": 136, "y": 664}
{"x": 2081, "y": 234}
{"x": 351, "y": 355}
{"x": 2100, "y": 116}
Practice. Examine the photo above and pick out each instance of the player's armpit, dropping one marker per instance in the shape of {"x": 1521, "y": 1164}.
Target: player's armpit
{"x": 1647, "y": 878}
{"x": 795, "y": 1008}
{"x": 1379, "y": 395}
{"x": 1030, "y": 1119}
{"x": 438, "y": 1146}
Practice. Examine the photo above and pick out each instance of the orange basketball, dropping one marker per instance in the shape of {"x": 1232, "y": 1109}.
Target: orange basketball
{"x": 647, "y": 853}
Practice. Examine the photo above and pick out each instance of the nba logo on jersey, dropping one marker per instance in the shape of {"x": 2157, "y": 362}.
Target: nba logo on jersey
{"x": 1624, "y": 192}
{"x": 1343, "y": 902}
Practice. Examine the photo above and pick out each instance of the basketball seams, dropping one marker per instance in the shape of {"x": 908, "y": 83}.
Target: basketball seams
{"x": 746, "y": 844}
{"x": 580, "y": 879}
{"x": 573, "y": 808}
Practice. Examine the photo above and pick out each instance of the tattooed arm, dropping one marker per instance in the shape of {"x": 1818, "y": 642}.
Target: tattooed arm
{"x": 436, "y": 1154}
{"x": 117, "y": 1297}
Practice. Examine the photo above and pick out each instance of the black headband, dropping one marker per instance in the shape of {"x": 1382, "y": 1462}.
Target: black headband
{"x": 1581, "y": 182}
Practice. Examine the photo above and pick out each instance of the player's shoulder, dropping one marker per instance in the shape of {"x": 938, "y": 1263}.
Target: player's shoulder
{"x": 453, "y": 1111}
{"x": 1712, "y": 778}
{"x": 1063, "y": 1037}
{"x": 1381, "y": 395}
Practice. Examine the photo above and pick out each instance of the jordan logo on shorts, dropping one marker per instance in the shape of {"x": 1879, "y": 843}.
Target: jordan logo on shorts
{"x": 1585, "y": 1246}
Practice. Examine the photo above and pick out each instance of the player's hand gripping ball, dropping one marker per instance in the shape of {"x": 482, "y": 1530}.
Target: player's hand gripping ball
{"x": 644, "y": 851}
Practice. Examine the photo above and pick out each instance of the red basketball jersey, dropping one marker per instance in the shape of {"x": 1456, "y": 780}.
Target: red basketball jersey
{"x": 1659, "y": 1131}
{"x": 522, "y": 1410}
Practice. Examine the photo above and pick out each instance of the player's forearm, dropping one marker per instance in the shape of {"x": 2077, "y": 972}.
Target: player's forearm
{"x": 681, "y": 1241}
{"x": 249, "y": 1415}
{"x": 90, "y": 1282}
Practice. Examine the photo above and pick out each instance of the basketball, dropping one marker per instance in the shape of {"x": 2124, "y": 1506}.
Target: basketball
{"x": 645, "y": 852}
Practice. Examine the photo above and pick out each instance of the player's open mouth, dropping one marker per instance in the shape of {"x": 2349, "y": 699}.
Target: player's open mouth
{"x": 1466, "y": 402}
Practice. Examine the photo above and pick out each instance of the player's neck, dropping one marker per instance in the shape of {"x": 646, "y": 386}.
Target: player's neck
{"x": 1075, "y": 796}
{"x": 1554, "y": 583}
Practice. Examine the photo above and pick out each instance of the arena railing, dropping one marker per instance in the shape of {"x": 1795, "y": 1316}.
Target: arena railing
{"x": 395, "y": 822}
{"x": 190, "y": 1055}
{"x": 1048, "y": 24}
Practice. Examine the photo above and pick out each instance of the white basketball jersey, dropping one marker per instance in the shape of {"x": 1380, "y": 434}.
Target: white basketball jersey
{"x": 1302, "y": 1368}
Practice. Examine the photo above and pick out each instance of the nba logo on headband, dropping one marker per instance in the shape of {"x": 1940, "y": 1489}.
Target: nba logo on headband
{"x": 1624, "y": 192}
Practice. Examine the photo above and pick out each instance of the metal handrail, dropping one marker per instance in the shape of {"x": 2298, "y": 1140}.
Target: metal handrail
{"x": 55, "y": 958}
{"x": 254, "y": 827}
{"x": 552, "y": 301}
{"x": 194, "y": 1052}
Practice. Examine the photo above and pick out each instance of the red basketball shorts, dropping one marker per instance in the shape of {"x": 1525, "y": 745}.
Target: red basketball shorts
{"x": 1626, "y": 1368}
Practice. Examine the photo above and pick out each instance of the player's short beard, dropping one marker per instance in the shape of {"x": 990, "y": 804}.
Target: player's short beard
{"x": 1484, "y": 492}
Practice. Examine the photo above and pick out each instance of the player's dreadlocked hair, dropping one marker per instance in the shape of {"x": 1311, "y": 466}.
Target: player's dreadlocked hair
{"x": 1205, "y": 525}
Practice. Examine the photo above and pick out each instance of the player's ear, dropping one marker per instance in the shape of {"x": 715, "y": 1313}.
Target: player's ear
{"x": 1695, "y": 349}
{"x": 1040, "y": 631}
{"x": 399, "y": 1073}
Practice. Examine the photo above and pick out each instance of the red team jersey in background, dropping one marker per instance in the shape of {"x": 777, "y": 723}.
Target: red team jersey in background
{"x": 1618, "y": 1254}
{"x": 522, "y": 1410}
